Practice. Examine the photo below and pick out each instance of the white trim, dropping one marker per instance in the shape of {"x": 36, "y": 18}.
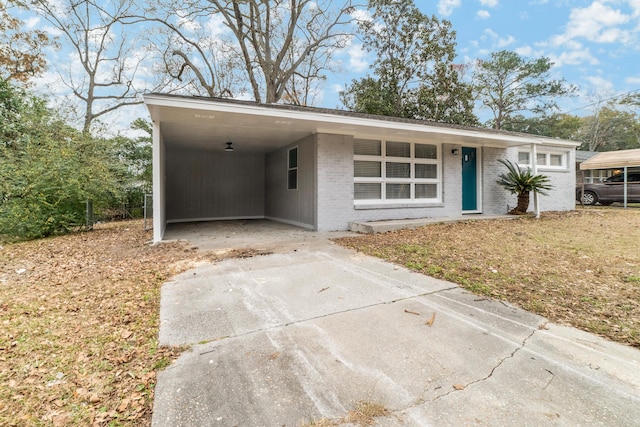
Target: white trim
{"x": 291, "y": 222}
{"x": 384, "y": 159}
{"x": 327, "y": 122}
{"x": 213, "y": 218}
{"x": 548, "y": 152}
{"x": 159, "y": 225}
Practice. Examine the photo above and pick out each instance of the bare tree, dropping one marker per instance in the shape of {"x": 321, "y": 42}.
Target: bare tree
{"x": 102, "y": 74}
{"x": 277, "y": 45}
{"x": 195, "y": 55}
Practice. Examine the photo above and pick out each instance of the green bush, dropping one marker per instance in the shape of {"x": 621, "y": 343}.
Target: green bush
{"x": 49, "y": 169}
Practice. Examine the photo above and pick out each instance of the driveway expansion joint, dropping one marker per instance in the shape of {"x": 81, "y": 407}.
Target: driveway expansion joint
{"x": 308, "y": 319}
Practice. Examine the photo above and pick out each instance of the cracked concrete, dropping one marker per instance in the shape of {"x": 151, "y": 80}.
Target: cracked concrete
{"x": 310, "y": 330}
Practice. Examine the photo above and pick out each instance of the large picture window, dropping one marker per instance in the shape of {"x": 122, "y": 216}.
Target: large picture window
{"x": 396, "y": 171}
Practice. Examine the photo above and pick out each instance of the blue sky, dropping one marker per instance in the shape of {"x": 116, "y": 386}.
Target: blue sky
{"x": 594, "y": 45}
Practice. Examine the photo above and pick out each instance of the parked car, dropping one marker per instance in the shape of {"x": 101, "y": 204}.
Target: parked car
{"x": 611, "y": 190}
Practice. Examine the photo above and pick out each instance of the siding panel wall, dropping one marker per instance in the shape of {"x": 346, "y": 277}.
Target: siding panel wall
{"x": 292, "y": 206}
{"x": 207, "y": 185}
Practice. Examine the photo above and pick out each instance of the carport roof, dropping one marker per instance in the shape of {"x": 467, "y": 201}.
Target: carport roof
{"x": 208, "y": 123}
{"x": 613, "y": 159}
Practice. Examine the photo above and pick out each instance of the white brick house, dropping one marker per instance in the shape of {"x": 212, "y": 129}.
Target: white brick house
{"x": 322, "y": 169}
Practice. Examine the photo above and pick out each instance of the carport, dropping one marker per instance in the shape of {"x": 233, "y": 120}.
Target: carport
{"x": 623, "y": 159}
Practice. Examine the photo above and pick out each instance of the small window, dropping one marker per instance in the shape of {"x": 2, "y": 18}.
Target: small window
{"x": 555, "y": 160}
{"x": 398, "y": 191}
{"x": 367, "y": 169}
{"x": 426, "y": 151}
{"x": 398, "y": 149}
{"x": 292, "y": 169}
{"x": 523, "y": 158}
{"x": 367, "y": 147}
{"x": 367, "y": 191}
{"x": 398, "y": 170}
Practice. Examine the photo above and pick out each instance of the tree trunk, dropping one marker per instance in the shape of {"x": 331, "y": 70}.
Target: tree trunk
{"x": 523, "y": 204}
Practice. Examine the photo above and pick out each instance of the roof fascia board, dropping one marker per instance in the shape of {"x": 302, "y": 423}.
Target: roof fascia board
{"x": 333, "y": 119}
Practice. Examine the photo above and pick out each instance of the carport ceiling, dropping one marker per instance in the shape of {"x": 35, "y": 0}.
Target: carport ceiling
{"x": 199, "y": 123}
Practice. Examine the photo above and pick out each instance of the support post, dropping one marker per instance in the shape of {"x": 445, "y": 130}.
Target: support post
{"x": 534, "y": 170}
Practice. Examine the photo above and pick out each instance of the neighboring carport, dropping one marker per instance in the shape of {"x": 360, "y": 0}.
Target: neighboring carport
{"x": 623, "y": 159}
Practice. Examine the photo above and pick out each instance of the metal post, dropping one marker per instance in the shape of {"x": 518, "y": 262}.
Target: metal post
{"x": 626, "y": 178}
{"x": 534, "y": 170}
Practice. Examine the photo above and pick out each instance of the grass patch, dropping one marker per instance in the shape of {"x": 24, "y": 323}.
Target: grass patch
{"x": 579, "y": 268}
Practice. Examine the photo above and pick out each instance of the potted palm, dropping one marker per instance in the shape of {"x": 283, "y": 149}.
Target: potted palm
{"x": 522, "y": 182}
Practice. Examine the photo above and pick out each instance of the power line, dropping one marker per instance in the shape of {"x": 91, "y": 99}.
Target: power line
{"x": 602, "y": 100}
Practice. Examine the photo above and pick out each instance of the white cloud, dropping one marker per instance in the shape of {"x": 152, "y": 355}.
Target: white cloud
{"x": 489, "y": 3}
{"x": 524, "y": 51}
{"x": 497, "y": 41}
{"x": 32, "y": 22}
{"x": 506, "y": 42}
{"x": 632, "y": 80}
{"x": 361, "y": 15}
{"x": 187, "y": 23}
{"x": 337, "y": 88}
{"x": 601, "y": 84}
{"x": 597, "y": 23}
{"x": 483, "y": 14}
{"x": 446, "y": 7}
{"x": 573, "y": 57}
{"x": 357, "y": 58}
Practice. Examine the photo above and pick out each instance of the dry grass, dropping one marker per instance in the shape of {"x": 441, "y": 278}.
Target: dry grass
{"x": 79, "y": 316}
{"x": 578, "y": 268}
{"x": 364, "y": 414}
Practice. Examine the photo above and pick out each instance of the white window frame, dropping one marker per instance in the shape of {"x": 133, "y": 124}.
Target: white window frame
{"x": 383, "y": 159}
{"x": 564, "y": 156}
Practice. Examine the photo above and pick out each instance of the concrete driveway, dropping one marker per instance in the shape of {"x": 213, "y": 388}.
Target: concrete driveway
{"x": 307, "y": 332}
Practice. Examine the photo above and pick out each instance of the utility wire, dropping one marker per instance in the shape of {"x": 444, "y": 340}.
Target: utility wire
{"x": 602, "y": 100}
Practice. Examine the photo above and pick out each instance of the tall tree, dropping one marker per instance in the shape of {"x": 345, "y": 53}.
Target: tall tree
{"x": 21, "y": 55}
{"x": 563, "y": 126}
{"x": 276, "y": 44}
{"x": 610, "y": 129}
{"x": 508, "y": 84}
{"x": 413, "y": 74}
{"x": 102, "y": 76}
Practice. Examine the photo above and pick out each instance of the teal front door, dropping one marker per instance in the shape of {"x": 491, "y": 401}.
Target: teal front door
{"x": 469, "y": 179}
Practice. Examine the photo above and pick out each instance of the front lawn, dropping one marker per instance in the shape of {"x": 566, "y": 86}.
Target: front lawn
{"x": 79, "y": 316}
{"x": 578, "y": 268}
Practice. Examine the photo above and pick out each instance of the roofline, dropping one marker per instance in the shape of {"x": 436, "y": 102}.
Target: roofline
{"x": 344, "y": 117}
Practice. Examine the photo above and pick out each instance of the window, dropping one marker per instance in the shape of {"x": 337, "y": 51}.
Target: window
{"x": 292, "y": 169}
{"x": 544, "y": 159}
{"x": 395, "y": 171}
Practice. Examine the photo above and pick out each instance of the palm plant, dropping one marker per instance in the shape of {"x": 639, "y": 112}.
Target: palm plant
{"x": 522, "y": 182}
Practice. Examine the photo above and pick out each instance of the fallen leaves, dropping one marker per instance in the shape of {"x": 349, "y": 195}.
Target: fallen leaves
{"x": 79, "y": 317}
